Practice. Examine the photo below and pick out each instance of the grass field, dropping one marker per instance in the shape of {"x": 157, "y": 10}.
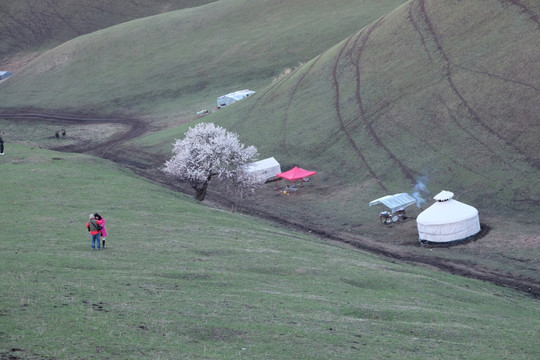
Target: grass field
{"x": 181, "y": 280}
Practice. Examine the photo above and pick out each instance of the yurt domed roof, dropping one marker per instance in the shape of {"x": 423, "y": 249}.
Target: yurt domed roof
{"x": 446, "y": 212}
{"x": 443, "y": 196}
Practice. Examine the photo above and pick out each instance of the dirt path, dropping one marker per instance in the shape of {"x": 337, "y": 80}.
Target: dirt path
{"x": 147, "y": 165}
{"x": 107, "y": 149}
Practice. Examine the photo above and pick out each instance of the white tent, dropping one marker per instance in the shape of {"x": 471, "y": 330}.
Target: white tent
{"x": 395, "y": 202}
{"x": 5, "y": 74}
{"x": 228, "y": 99}
{"x": 267, "y": 168}
{"x": 447, "y": 220}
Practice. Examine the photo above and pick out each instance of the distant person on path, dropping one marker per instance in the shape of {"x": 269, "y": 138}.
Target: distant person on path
{"x": 63, "y": 133}
{"x": 57, "y": 134}
{"x": 104, "y": 233}
{"x": 94, "y": 226}
{"x": 1, "y": 144}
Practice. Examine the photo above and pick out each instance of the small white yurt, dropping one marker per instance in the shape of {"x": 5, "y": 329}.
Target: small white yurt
{"x": 447, "y": 220}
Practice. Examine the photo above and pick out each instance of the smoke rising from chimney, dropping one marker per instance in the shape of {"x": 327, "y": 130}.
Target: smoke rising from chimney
{"x": 420, "y": 191}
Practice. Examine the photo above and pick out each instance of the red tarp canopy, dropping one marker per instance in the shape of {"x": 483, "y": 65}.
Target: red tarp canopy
{"x": 296, "y": 173}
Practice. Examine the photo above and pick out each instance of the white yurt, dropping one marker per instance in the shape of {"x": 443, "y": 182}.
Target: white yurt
{"x": 447, "y": 220}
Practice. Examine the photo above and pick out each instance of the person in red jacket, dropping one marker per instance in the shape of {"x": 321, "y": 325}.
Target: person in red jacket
{"x": 94, "y": 226}
{"x": 103, "y": 233}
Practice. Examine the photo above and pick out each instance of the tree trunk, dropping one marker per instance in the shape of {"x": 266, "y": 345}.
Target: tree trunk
{"x": 201, "y": 193}
{"x": 200, "y": 190}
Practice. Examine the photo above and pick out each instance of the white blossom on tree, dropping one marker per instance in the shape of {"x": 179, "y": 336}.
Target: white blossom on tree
{"x": 209, "y": 151}
{"x": 243, "y": 184}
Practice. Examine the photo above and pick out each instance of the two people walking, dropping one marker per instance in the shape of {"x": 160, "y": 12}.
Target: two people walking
{"x": 96, "y": 227}
{"x": 57, "y": 133}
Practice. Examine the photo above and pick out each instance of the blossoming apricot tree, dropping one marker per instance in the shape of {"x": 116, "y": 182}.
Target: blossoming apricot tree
{"x": 209, "y": 151}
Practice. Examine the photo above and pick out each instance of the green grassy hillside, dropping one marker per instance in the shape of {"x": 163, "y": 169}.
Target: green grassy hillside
{"x": 181, "y": 60}
{"x": 443, "y": 92}
{"x": 179, "y": 280}
{"x": 29, "y": 25}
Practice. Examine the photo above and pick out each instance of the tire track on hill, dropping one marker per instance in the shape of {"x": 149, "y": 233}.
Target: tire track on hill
{"x": 335, "y": 85}
{"x": 355, "y": 61}
{"x": 259, "y": 96}
{"x": 262, "y": 95}
{"x": 272, "y": 89}
{"x": 532, "y": 15}
{"x": 448, "y": 74}
{"x": 466, "y": 131}
{"x": 417, "y": 29}
{"x": 362, "y": 115}
{"x": 450, "y": 112}
{"x": 293, "y": 93}
{"x": 498, "y": 77}
{"x": 362, "y": 111}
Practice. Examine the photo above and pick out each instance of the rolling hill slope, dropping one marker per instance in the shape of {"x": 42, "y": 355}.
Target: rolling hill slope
{"x": 433, "y": 96}
{"x": 447, "y": 93}
{"x": 29, "y": 25}
{"x": 174, "y": 62}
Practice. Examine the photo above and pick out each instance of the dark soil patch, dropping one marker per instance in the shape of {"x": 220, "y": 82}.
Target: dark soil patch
{"x": 18, "y": 353}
